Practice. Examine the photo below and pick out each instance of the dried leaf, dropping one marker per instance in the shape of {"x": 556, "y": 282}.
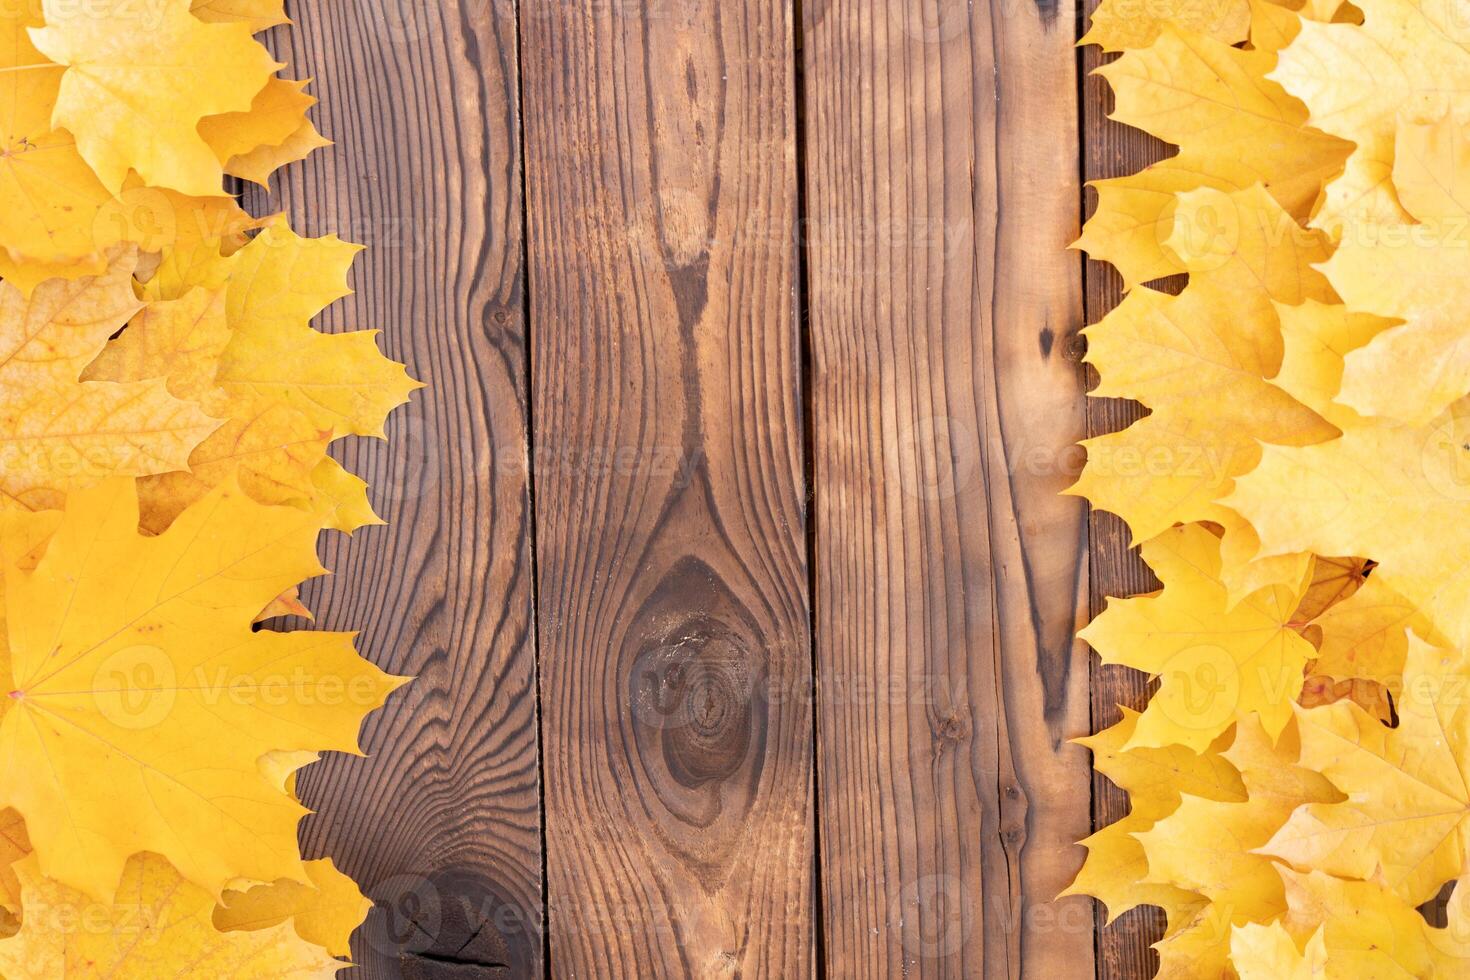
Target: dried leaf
{"x": 148, "y": 705}
{"x": 159, "y": 926}
{"x": 1216, "y": 664}
{"x": 133, "y": 93}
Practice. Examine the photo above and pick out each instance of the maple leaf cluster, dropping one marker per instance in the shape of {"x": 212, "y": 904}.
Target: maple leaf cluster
{"x": 1299, "y": 783}
{"x": 166, "y": 410}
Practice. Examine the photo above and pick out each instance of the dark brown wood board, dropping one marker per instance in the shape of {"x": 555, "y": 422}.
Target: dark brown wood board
{"x": 440, "y": 825}
{"x": 942, "y": 190}
{"x": 673, "y": 611}
{"x": 934, "y": 180}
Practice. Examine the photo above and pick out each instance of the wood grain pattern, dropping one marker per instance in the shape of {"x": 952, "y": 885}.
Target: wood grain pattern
{"x": 441, "y": 824}
{"x": 942, "y": 186}
{"x": 675, "y": 659}
{"x": 1111, "y": 149}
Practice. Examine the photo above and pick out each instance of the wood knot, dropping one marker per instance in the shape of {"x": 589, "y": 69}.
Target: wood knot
{"x": 696, "y": 689}
{"x": 451, "y": 924}
{"x": 950, "y": 728}
{"x": 1075, "y": 348}
{"x": 698, "y": 701}
{"x": 1013, "y": 812}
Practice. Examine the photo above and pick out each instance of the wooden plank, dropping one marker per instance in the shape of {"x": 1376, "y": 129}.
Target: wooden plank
{"x": 441, "y": 825}
{"x": 1111, "y": 149}
{"x": 942, "y": 181}
{"x": 673, "y": 612}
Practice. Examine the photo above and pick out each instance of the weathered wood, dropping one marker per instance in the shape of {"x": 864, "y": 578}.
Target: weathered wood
{"x": 440, "y": 825}
{"x": 1112, "y": 150}
{"x": 942, "y": 190}
{"x": 673, "y": 614}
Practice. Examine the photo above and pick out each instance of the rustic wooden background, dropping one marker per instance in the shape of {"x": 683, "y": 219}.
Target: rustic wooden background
{"x": 725, "y": 542}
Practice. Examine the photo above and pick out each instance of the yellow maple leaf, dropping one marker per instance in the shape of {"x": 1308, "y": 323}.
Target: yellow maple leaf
{"x": 1273, "y": 25}
{"x": 58, "y": 433}
{"x": 1154, "y": 779}
{"x": 57, "y": 220}
{"x": 1371, "y": 492}
{"x": 340, "y": 381}
{"x": 1171, "y": 351}
{"x": 1200, "y": 360}
{"x": 324, "y": 912}
{"x": 1216, "y": 663}
{"x": 178, "y": 340}
{"x": 1407, "y": 55}
{"x": 1205, "y": 844}
{"x": 1412, "y": 273}
{"x": 139, "y": 78}
{"x": 14, "y": 846}
{"x": 1367, "y": 931}
{"x": 288, "y": 603}
{"x": 273, "y": 133}
{"x": 1334, "y": 580}
{"x": 159, "y": 926}
{"x": 1366, "y": 635}
{"x": 1267, "y": 952}
{"x": 1201, "y": 948}
{"x": 341, "y": 498}
{"x": 1210, "y": 99}
{"x": 142, "y": 695}
{"x": 1118, "y": 25}
{"x": 1371, "y": 696}
{"x": 216, "y": 348}
{"x": 276, "y": 112}
{"x": 49, "y": 197}
{"x": 1316, "y": 339}
{"x": 258, "y": 165}
{"x": 1406, "y": 821}
{"x": 1209, "y": 846}
{"x": 270, "y": 448}
{"x": 258, "y": 14}
{"x": 1115, "y": 874}
{"x": 1134, "y": 214}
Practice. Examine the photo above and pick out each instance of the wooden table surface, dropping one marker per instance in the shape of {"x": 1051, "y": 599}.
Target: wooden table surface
{"x": 726, "y": 542}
